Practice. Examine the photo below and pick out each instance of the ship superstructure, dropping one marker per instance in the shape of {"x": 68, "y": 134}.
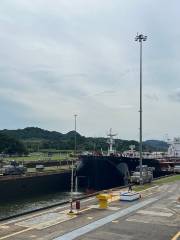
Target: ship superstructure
{"x": 174, "y": 148}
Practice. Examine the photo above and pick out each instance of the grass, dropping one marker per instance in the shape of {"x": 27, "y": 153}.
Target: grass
{"x": 40, "y": 156}
{"x": 143, "y": 187}
{"x": 157, "y": 183}
{"x": 168, "y": 179}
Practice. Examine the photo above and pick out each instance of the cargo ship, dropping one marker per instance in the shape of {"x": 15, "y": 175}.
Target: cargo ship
{"x": 103, "y": 171}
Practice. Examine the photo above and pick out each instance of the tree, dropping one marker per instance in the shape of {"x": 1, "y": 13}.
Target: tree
{"x": 10, "y": 145}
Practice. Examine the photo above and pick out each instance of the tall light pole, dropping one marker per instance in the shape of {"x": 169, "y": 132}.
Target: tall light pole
{"x": 140, "y": 38}
{"x": 72, "y": 166}
{"x": 75, "y": 141}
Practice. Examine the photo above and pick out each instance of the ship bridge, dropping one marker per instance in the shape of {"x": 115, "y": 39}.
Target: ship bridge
{"x": 174, "y": 148}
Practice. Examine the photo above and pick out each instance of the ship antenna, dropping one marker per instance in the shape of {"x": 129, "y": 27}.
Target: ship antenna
{"x": 111, "y": 141}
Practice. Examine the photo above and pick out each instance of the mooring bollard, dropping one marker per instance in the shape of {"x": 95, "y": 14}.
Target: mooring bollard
{"x": 78, "y": 205}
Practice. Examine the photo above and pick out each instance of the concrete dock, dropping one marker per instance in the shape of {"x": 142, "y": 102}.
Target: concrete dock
{"x": 155, "y": 216}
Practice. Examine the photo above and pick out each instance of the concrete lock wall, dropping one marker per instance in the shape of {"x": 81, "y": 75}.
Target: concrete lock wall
{"x": 19, "y": 187}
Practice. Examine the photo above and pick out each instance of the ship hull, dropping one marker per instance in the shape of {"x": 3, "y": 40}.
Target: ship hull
{"x": 103, "y": 172}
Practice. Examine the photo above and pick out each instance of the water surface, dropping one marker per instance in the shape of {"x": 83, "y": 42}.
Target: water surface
{"x": 22, "y": 205}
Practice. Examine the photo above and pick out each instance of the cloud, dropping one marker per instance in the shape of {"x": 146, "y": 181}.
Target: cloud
{"x": 175, "y": 95}
{"x": 152, "y": 96}
{"x": 62, "y": 57}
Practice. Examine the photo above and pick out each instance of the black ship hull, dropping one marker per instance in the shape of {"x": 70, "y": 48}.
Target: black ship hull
{"x": 103, "y": 172}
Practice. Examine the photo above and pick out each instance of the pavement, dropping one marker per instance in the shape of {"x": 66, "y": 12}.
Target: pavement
{"x": 155, "y": 216}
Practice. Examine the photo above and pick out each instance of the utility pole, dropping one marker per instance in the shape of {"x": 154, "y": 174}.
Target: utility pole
{"x": 72, "y": 166}
{"x": 75, "y": 140}
{"x": 140, "y": 38}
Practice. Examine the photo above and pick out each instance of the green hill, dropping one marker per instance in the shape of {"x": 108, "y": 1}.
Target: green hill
{"x": 36, "y": 139}
{"x": 10, "y": 145}
{"x": 156, "y": 145}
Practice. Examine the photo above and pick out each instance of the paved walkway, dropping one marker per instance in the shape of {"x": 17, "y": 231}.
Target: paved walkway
{"x": 155, "y": 216}
{"x": 99, "y": 223}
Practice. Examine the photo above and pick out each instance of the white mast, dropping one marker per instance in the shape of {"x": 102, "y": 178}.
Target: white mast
{"x": 132, "y": 147}
{"x": 111, "y": 142}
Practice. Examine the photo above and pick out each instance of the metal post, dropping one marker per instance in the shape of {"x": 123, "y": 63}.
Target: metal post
{"x": 140, "y": 132}
{"x": 76, "y": 184}
{"x": 72, "y": 167}
{"x": 140, "y": 38}
{"x": 75, "y": 141}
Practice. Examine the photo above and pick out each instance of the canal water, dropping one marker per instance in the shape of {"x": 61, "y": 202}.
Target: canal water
{"x": 22, "y": 205}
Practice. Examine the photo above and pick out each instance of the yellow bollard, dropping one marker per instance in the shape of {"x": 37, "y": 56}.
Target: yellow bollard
{"x": 103, "y": 200}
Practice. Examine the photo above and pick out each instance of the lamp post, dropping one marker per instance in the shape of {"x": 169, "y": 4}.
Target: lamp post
{"x": 75, "y": 141}
{"x": 140, "y": 38}
{"x": 72, "y": 166}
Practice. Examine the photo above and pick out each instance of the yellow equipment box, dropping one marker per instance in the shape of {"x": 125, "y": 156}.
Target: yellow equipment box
{"x": 103, "y": 200}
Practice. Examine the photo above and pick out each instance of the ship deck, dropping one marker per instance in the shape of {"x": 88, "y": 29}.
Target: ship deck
{"x": 34, "y": 174}
{"x": 155, "y": 216}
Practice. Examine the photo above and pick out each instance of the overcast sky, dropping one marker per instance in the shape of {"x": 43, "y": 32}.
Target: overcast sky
{"x": 61, "y": 57}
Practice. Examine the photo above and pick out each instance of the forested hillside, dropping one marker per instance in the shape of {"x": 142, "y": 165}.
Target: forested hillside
{"x": 35, "y": 139}
{"x": 156, "y": 144}
{"x": 10, "y": 145}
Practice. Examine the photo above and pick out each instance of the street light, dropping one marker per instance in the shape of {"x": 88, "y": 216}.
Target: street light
{"x": 72, "y": 166}
{"x": 140, "y": 38}
{"x": 75, "y": 142}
